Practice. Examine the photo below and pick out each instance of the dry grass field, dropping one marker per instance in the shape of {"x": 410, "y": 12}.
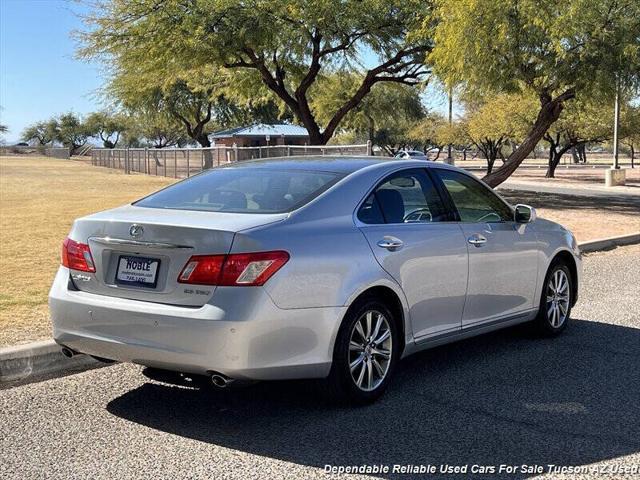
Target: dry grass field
{"x": 39, "y": 199}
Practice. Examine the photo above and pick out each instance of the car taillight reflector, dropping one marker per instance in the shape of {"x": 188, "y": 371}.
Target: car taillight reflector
{"x": 77, "y": 256}
{"x": 238, "y": 269}
{"x": 202, "y": 270}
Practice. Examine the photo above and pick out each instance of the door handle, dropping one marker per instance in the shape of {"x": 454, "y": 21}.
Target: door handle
{"x": 477, "y": 240}
{"x": 390, "y": 243}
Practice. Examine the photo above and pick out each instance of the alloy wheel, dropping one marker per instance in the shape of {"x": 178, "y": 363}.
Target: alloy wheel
{"x": 370, "y": 350}
{"x": 558, "y": 297}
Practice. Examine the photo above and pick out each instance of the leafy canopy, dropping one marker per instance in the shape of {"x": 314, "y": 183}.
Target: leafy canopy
{"x": 106, "y": 126}
{"x": 281, "y": 47}
{"x": 500, "y": 118}
{"x": 383, "y": 116}
{"x": 71, "y": 131}
{"x": 40, "y": 132}
{"x": 543, "y": 46}
{"x": 553, "y": 50}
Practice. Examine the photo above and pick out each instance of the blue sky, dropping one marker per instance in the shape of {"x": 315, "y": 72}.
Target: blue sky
{"x": 39, "y": 77}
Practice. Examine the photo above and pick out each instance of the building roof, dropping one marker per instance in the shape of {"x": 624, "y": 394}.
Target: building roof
{"x": 261, "y": 130}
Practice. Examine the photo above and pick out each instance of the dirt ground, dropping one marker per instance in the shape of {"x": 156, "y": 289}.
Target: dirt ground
{"x": 40, "y": 197}
{"x": 576, "y": 176}
{"x": 589, "y": 218}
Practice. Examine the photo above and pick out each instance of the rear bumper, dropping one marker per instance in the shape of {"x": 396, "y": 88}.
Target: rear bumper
{"x": 244, "y": 335}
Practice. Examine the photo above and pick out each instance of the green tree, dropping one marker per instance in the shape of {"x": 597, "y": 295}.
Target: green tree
{"x": 497, "y": 121}
{"x": 455, "y": 134}
{"x": 71, "y": 131}
{"x": 192, "y": 99}
{"x": 553, "y": 50}
{"x": 42, "y": 133}
{"x": 285, "y": 46}
{"x": 630, "y": 129}
{"x": 107, "y": 126}
{"x": 430, "y": 133}
{"x": 160, "y": 129}
{"x": 383, "y": 117}
{"x": 579, "y": 124}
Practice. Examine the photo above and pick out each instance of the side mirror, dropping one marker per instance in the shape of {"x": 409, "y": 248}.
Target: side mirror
{"x": 524, "y": 213}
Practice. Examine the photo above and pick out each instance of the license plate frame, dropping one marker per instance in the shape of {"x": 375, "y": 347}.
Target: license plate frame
{"x": 132, "y": 281}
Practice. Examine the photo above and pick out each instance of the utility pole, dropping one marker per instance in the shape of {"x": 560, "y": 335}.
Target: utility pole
{"x": 615, "y": 175}
{"x": 616, "y": 124}
{"x": 450, "y": 160}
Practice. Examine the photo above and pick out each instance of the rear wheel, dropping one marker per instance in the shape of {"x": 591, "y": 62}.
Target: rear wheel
{"x": 365, "y": 354}
{"x": 555, "y": 304}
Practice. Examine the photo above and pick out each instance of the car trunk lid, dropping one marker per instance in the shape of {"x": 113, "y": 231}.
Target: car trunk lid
{"x": 139, "y": 252}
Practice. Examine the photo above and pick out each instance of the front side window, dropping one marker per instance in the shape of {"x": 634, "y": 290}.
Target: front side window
{"x": 474, "y": 201}
{"x": 243, "y": 190}
{"x": 408, "y": 196}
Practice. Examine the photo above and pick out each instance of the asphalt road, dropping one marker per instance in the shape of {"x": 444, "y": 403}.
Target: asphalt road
{"x": 503, "y": 398}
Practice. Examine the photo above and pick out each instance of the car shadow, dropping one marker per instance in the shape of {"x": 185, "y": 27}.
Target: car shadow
{"x": 502, "y": 398}
{"x": 557, "y": 201}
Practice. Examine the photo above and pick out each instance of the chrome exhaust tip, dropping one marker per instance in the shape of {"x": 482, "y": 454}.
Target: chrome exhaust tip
{"x": 220, "y": 381}
{"x": 67, "y": 352}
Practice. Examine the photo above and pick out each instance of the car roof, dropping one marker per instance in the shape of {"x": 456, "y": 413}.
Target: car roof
{"x": 337, "y": 164}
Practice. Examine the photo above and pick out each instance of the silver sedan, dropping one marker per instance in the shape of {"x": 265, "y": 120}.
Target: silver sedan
{"x": 330, "y": 268}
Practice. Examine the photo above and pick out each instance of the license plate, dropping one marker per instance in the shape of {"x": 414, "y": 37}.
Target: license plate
{"x": 139, "y": 271}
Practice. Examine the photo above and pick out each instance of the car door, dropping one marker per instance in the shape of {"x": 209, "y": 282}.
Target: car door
{"x": 405, "y": 222}
{"x": 503, "y": 254}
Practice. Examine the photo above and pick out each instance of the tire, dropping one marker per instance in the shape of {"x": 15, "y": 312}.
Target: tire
{"x": 554, "y": 310}
{"x": 343, "y": 382}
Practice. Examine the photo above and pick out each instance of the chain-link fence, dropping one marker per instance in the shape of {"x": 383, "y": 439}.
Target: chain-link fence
{"x": 184, "y": 162}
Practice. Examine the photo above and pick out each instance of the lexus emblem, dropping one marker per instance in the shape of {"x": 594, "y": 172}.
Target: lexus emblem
{"x": 136, "y": 230}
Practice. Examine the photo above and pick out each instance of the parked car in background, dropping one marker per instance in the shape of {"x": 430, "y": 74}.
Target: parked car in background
{"x": 412, "y": 155}
{"x": 315, "y": 267}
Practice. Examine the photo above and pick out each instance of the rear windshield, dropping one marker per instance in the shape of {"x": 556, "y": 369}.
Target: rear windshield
{"x": 243, "y": 190}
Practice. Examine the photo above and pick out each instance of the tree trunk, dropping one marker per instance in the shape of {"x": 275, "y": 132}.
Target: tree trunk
{"x": 207, "y": 155}
{"x": 582, "y": 153}
{"x": 633, "y": 154}
{"x": 490, "y": 162}
{"x": 554, "y": 160}
{"x": 438, "y": 154}
{"x": 575, "y": 155}
{"x": 489, "y": 149}
{"x": 549, "y": 112}
{"x": 552, "y": 153}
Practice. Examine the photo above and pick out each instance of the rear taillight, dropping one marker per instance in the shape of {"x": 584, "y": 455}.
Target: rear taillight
{"x": 202, "y": 270}
{"x": 77, "y": 256}
{"x": 238, "y": 269}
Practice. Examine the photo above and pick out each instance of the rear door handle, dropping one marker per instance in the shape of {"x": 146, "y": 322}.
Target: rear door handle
{"x": 477, "y": 240}
{"x": 390, "y": 243}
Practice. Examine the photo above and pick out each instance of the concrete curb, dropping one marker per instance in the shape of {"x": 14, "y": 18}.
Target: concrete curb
{"x": 38, "y": 358}
{"x": 607, "y": 243}
{"x": 44, "y": 357}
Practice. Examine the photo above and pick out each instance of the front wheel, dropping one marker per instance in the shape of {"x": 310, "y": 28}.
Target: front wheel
{"x": 555, "y": 304}
{"x": 366, "y": 351}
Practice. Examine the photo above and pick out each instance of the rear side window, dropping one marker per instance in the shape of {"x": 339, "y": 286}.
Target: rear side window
{"x": 474, "y": 201}
{"x": 408, "y": 196}
{"x": 243, "y": 190}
